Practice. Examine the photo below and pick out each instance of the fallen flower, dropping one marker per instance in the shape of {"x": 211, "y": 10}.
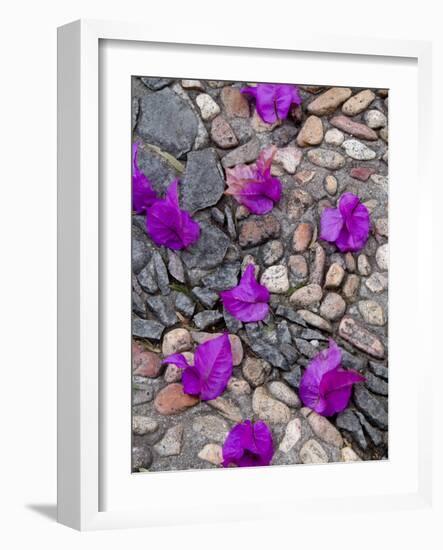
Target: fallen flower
{"x": 212, "y": 368}
{"x": 248, "y": 444}
{"x": 249, "y": 300}
{"x": 168, "y": 225}
{"x": 273, "y": 101}
{"x": 143, "y": 195}
{"x": 325, "y": 386}
{"x": 253, "y": 186}
{"x": 348, "y": 225}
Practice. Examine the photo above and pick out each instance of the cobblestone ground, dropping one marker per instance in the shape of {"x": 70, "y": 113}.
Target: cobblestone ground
{"x": 336, "y": 141}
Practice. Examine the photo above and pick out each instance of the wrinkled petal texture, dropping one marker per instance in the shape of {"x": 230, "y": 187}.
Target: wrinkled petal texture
{"x": 168, "y": 225}
{"x": 212, "y": 368}
{"x": 253, "y": 186}
{"x": 213, "y": 361}
{"x": 249, "y": 300}
{"x": 143, "y": 195}
{"x": 325, "y": 387}
{"x": 248, "y": 444}
{"x": 348, "y": 225}
{"x": 273, "y": 101}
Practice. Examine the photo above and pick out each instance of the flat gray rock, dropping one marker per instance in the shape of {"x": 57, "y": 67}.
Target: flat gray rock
{"x": 166, "y": 120}
{"x": 156, "y": 168}
{"x": 209, "y": 250}
{"x": 203, "y": 182}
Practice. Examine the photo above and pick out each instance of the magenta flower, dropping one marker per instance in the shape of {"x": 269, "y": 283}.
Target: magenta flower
{"x": 248, "y": 444}
{"x": 273, "y": 101}
{"x": 212, "y": 368}
{"x": 249, "y": 300}
{"x": 348, "y": 225}
{"x": 325, "y": 386}
{"x": 168, "y": 225}
{"x": 253, "y": 186}
{"x": 143, "y": 195}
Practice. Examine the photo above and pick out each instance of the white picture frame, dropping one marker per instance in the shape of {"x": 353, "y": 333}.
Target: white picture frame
{"x": 82, "y": 398}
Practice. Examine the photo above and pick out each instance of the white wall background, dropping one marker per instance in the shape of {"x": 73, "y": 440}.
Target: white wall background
{"x": 28, "y": 260}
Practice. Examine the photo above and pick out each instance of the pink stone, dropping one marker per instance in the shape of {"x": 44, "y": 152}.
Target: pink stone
{"x": 236, "y": 345}
{"x": 361, "y": 173}
{"x": 172, "y": 400}
{"x": 144, "y": 362}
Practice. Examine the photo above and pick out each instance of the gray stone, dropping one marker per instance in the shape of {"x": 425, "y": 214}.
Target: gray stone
{"x": 325, "y": 430}
{"x": 283, "y": 333}
{"x": 175, "y": 266}
{"x": 203, "y": 182}
{"x": 230, "y": 224}
{"x": 375, "y": 119}
{"x": 305, "y": 348}
{"x": 270, "y": 353}
{"x": 223, "y": 278}
{"x": 293, "y": 377}
{"x": 147, "y": 279}
{"x": 184, "y": 304}
{"x": 292, "y": 435}
{"x": 161, "y": 273}
{"x": 358, "y": 150}
{"x": 168, "y": 121}
{"x": 313, "y": 453}
{"x": 376, "y": 384}
{"x": 241, "y": 155}
{"x": 140, "y": 255}
{"x": 217, "y": 215}
{"x": 206, "y": 319}
{"x": 351, "y": 361}
{"x": 275, "y": 279}
{"x": 232, "y": 324}
{"x": 382, "y": 256}
{"x": 374, "y": 434}
{"x": 348, "y": 421}
{"x": 208, "y": 107}
{"x": 271, "y": 252}
{"x": 209, "y": 250}
{"x": 147, "y": 329}
{"x": 256, "y": 371}
{"x": 333, "y": 306}
{"x": 163, "y": 310}
{"x": 291, "y": 315}
{"x": 363, "y": 265}
{"x": 157, "y": 167}
{"x": 268, "y": 409}
{"x": 372, "y": 312}
{"x": 370, "y": 406}
{"x": 315, "y": 320}
{"x": 205, "y": 296}
{"x": 379, "y": 369}
{"x": 307, "y": 296}
{"x": 141, "y": 457}
{"x": 171, "y": 443}
{"x": 334, "y": 276}
{"x": 326, "y": 158}
{"x": 142, "y": 425}
{"x": 283, "y": 393}
{"x": 211, "y": 427}
{"x": 156, "y": 83}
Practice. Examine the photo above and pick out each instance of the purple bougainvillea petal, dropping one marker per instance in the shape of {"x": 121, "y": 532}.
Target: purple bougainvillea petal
{"x": 249, "y": 300}
{"x": 191, "y": 381}
{"x": 325, "y": 387}
{"x": 273, "y": 101}
{"x": 253, "y": 186}
{"x": 248, "y": 445}
{"x": 177, "y": 359}
{"x": 335, "y": 389}
{"x": 348, "y": 225}
{"x": 213, "y": 361}
{"x": 143, "y": 195}
{"x": 168, "y": 225}
{"x": 286, "y": 95}
{"x": 331, "y": 224}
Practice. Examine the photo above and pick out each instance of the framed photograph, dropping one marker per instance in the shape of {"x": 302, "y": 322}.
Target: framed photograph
{"x": 234, "y": 275}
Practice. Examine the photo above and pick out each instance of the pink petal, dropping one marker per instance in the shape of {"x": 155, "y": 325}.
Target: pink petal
{"x": 248, "y": 444}
{"x": 336, "y": 388}
{"x": 191, "y": 381}
{"x": 285, "y": 96}
{"x": 143, "y": 195}
{"x": 265, "y": 103}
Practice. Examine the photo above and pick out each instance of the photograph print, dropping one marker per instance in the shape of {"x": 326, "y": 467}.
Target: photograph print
{"x": 259, "y": 274}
